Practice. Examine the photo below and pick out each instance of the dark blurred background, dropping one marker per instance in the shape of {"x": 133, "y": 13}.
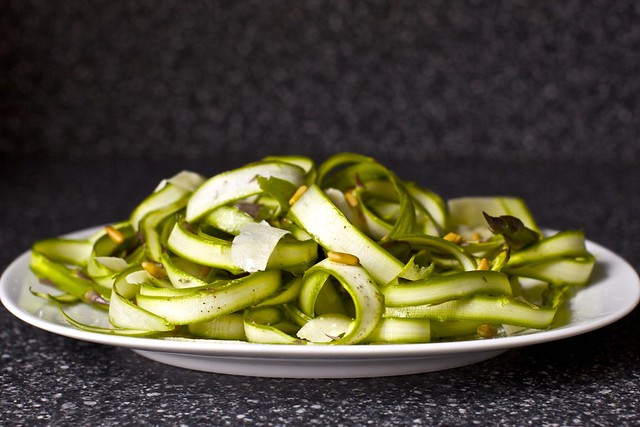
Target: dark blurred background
{"x": 402, "y": 80}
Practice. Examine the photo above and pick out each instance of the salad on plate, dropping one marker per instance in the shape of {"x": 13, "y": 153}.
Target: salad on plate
{"x": 344, "y": 252}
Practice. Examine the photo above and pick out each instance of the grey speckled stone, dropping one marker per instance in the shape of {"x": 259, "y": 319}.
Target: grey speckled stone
{"x": 412, "y": 80}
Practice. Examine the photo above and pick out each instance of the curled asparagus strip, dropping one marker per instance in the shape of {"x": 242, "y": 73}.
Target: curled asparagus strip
{"x": 367, "y": 298}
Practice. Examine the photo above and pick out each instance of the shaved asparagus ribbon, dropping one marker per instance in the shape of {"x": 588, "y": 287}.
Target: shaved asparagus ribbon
{"x": 282, "y": 251}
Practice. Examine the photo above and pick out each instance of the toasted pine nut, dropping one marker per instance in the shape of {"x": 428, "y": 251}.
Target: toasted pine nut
{"x": 351, "y": 199}
{"x": 299, "y": 192}
{"x": 453, "y": 238}
{"x": 114, "y": 234}
{"x": 343, "y": 258}
{"x": 484, "y": 264}
{"x": 154, "y": 269}
{"x": 487, "y": 331}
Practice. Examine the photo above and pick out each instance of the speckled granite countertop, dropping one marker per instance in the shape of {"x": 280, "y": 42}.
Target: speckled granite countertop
{"x": 99, "y": 100}
{"x": 593, "y": 379}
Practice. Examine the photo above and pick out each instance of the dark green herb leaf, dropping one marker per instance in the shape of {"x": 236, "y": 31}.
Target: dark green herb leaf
{"x": 515, "y": 233}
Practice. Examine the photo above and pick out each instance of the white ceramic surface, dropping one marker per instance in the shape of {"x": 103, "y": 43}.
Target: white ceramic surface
{"x": 613, "y": 293}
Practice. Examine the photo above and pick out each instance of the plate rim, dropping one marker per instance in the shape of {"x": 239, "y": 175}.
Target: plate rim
{"x": 243, "y": 350}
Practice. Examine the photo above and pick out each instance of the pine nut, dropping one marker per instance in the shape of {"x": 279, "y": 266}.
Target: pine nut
{"x": 487, "y": 331}
{"x": 299, "y": 192}
{"x": 154, "y": 269}
{"x": 343, "y": 258}
{"x": 453, "y": 238}
{"x": 484, "y": 264}
{"x": 351, "y": 199}
{"x": 114, "y": 234}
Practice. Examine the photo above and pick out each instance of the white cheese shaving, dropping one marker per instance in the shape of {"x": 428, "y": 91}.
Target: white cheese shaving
{"x": 325, "y": 328}
{"x": 252, "y": 248}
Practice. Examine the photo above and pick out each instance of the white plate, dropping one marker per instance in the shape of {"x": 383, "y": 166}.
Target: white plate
{"x": 613, "y": 293}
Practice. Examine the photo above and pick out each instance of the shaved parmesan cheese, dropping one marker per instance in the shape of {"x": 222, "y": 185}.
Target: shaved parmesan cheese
{"x": 325, "y": 328}
{"x": 252, "y": 248}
